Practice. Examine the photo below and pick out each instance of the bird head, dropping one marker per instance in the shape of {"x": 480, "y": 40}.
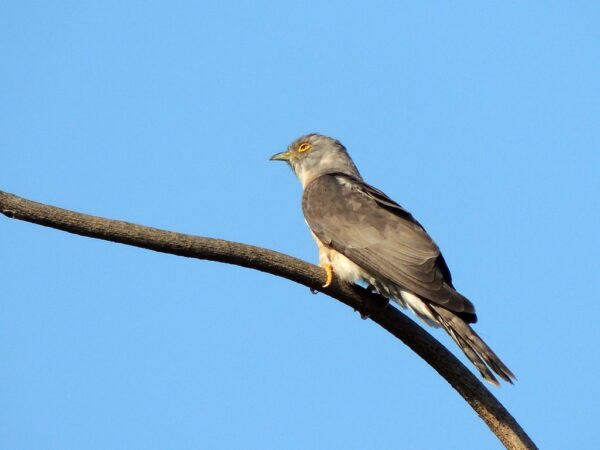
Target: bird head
{"x": 314, "y": 155}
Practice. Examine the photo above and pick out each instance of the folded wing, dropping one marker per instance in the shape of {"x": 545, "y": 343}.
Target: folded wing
{"x": 383, "y": 238}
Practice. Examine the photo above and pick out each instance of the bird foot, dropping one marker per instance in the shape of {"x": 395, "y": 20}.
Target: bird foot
{"x": 329, "y": 270}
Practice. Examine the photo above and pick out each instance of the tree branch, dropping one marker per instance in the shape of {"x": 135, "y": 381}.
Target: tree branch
{"x": 376, "y": 307}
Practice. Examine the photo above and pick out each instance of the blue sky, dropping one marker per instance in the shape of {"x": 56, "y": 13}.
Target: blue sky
{"x": 481, "y": 118}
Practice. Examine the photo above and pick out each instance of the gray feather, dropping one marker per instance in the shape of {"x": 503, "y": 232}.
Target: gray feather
{"x": 342, "y": 214}
{"x": 382, "y": 243}
{"x": 389, "y": 244}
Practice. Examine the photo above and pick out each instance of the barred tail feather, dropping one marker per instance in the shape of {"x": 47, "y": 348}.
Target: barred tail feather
{"x": 472, "y": 346}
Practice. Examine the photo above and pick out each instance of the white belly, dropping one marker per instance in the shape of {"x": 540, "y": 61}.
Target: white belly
{"x": 344, "y": 269}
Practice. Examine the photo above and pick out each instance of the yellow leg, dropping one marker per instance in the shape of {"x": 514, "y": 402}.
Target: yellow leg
{"x": 329, "y": 269}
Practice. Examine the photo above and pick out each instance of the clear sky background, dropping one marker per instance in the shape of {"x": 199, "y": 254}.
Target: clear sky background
{"x": 479, "y": 117}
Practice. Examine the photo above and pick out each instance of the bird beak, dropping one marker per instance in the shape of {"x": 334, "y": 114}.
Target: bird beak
{"x": 283, "y": 156}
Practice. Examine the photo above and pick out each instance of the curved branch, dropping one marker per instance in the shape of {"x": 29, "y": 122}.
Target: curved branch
{"x": 368, "y": 304}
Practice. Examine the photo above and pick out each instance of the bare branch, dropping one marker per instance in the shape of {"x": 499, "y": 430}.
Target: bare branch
{"x": 376, "y": 307}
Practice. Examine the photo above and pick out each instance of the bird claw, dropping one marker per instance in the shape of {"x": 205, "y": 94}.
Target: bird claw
{"x": 329, "y": 270}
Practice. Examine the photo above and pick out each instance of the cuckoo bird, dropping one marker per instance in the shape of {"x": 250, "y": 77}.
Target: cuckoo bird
{"x": 363, "y": 235}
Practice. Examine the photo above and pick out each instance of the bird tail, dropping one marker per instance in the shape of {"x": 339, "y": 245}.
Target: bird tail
{"x": 472, "y": 346}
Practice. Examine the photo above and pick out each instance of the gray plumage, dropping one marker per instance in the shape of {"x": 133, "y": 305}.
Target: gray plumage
{"x": 364, "y": 235}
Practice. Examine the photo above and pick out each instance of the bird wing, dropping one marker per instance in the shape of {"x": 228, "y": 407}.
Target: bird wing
{"x": 380, "y": 236}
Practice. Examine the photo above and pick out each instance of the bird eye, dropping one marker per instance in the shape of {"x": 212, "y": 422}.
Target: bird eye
{"x": 304, "y": 147}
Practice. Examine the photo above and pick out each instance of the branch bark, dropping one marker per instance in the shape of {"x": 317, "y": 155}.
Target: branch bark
{"x": 376, "y": 307}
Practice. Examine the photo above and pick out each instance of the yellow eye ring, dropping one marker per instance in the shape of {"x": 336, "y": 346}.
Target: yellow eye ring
{"x": 304, "y": 147}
